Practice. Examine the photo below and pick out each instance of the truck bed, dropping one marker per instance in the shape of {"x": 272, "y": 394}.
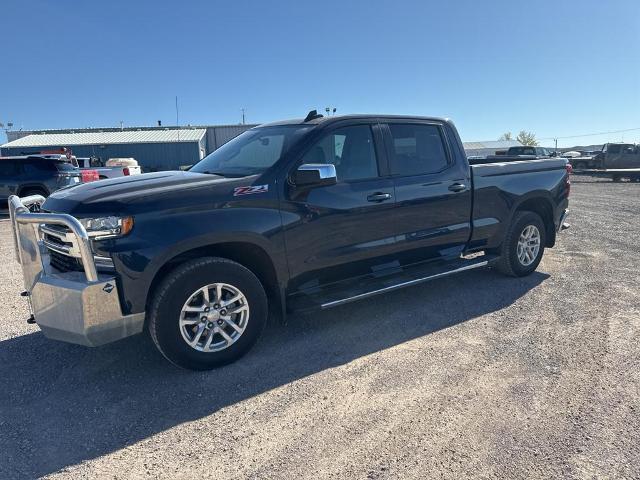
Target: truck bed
{"x": 501, "y": 185}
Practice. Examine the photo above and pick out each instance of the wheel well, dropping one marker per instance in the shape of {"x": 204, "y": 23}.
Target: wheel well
{"x": 246, "y": 254}
{"x": 542, "y": 207}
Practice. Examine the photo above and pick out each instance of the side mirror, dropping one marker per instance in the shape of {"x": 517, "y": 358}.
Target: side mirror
{"x": 315, "y": 174}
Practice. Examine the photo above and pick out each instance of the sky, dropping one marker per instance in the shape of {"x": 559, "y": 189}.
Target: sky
{"x": 555, "y": 68}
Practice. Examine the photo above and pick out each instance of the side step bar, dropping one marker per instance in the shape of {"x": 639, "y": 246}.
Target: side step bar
{"x": 351, "y": 290}
{"x": 397, "y": 286}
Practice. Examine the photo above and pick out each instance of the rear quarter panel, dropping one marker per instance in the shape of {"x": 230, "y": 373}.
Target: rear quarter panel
{"x": 500, "y": 188}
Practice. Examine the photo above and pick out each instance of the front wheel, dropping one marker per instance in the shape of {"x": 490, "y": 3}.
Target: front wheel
{"x": 523, "y": 245}
{"x": 207, "y": 313}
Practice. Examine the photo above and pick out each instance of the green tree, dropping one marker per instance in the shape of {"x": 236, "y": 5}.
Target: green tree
{"x": 527, "y": 138}
{"x": 506, "y": 136}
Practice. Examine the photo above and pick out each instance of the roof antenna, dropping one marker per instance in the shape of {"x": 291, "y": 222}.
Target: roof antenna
{"x": 312, "y": 115}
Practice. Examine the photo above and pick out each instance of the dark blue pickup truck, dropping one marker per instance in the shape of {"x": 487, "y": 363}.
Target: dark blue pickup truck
{"x": 289, "y": 216}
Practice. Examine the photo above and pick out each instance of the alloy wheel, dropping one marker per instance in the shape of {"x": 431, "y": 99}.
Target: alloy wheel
{"x": 528, "y": 245}
{"x": 214, "y": 317}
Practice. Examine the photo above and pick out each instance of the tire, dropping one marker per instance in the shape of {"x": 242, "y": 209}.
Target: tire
{"x": 510, "y": 262}
{"x": 172, "y": 298}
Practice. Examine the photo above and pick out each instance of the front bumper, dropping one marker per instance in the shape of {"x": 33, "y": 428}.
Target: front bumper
{"x": 77, "y": 307}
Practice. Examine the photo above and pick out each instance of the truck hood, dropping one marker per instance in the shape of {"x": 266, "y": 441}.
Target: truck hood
{"x": 138, "y": 193}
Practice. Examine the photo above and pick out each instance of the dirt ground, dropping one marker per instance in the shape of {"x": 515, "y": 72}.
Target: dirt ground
{"x": 477, "y": 375}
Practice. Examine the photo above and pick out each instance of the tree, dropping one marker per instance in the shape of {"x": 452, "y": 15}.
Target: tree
{"x": 506, "y": 136}
{"x": 527, "y": 138}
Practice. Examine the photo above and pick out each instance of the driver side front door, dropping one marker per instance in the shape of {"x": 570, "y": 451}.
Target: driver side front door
{"x": 341, "y": 231}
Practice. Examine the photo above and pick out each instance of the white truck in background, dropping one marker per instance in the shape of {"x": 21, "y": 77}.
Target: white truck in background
{"x": 112, "y": 168}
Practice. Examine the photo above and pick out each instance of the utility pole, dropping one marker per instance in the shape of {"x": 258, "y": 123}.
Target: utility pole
{"x": 177, "y": 119}
{"x": 556, "y": 144}
{"x": 242, "y": 109}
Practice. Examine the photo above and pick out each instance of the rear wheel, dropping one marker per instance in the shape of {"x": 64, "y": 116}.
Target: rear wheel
{"x": 207, "y": 313}
{"x": 523, "y": 246}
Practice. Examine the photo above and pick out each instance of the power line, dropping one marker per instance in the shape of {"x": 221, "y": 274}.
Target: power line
{"x": 591, "y": 134}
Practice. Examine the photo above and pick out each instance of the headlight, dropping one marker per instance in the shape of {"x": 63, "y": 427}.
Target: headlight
{"x": 107, "y": 227}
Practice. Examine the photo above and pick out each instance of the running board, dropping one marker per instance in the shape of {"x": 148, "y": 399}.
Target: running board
{"x": 347, "y": 292}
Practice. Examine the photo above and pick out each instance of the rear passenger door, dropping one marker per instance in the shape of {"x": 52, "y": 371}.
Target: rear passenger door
{"x": 432, "y": 190}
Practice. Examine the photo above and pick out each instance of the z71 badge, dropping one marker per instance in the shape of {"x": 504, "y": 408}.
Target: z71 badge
{"x": 250, "y": 190}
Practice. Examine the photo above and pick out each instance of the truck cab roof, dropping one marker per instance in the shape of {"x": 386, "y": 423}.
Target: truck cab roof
{"x": 322, "y": 120}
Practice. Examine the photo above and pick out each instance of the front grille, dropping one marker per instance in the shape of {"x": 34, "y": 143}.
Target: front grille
{"x": 64, "y": 263}
{"x": 57, "y": 259}
{"x": 64, "y": 254}
{"x": 57, "y": 241}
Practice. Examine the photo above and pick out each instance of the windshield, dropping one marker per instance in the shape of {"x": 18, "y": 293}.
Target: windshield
{"x": 251, "y": 152}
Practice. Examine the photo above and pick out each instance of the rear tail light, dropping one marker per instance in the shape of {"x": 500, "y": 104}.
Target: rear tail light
{"x": 126, "y": 171}
{"x": 89, "y": 176}
{"x": 567, "y": 182}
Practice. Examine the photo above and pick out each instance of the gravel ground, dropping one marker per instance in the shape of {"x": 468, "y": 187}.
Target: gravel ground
{"x": 477, "y": 375}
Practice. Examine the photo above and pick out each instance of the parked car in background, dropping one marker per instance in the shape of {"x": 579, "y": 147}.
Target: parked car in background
{"x": 571, "y": 154}
{"x": 618, "y": 156}
{"x": 303, "y": 214}
{"x": 530, "y": 151}
{"x": 582, "y": 162}
{"x": 89, "y": 175}
{"x": 35, "y": 175}
{"x": 514, "y": 154}
{"x": 113, "y": 168}
{"x": 616, "y": 160}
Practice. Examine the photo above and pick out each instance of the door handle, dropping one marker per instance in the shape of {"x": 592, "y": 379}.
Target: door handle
{"x": 457, "y": 187}
{"x": 379, "y": 197}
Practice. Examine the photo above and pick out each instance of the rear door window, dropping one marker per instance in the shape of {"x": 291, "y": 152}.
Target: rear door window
{"x": 418, "y": 149}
